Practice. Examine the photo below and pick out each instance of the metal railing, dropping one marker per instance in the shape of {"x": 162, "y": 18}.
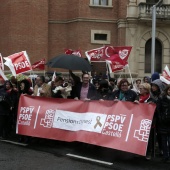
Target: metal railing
{"x": 145, "y": 11}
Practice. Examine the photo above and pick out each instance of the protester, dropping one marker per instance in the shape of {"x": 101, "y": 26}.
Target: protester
{"x": 95, "y": 77}
{"x": 136, "y": 86}
{"x": 25, "y": 87}
{"x": 155, "y": 76}
{"x": 123, "y": 93}
{"x": 103, "y": 90}
{"x": 41, "y": 88}
{"x": 144, "y": 97}
{"x": 163, "y": 122}
{"x": 85, "y": 90}
{"x": 61, "y": 88}
{"x": 157, "y": 88}
{"x": 13, "y": 99}
{"x": 56, "y": 88}
{"x": 5, "y": 106}
{"x": 112, "y": 84}
{"x": 47, "y": 79}
{"x": 146, "y": 79}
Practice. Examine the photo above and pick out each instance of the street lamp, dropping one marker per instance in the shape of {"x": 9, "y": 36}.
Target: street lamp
{"x": 153, "y": 34}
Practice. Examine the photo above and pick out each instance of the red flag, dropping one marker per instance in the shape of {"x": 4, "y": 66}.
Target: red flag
{"x": 68, "y": 51}
{"x": 118, "y": 61}
{"x": 75, "y": 52}
{"x": 107, "y": 53}
{"x": 39, "y": 64}
{"x": 100, "y": 54}
{"x": 18, "y": 63}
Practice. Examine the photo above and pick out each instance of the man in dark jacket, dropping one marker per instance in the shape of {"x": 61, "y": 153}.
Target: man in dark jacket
{"x": 85, "y": 90}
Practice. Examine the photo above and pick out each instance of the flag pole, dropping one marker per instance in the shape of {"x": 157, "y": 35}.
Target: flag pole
{"x": 130, "y": 74}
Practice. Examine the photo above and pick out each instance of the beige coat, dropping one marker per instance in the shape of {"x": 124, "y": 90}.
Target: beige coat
{"x": 46, "y": 88}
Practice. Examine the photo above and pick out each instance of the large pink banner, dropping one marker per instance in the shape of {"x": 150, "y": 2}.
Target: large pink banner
{"x": 122, "y": 125}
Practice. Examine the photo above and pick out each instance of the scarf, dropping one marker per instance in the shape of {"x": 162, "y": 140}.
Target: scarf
{"x": 142, "y": 99}
{"x": 121, "y": 96}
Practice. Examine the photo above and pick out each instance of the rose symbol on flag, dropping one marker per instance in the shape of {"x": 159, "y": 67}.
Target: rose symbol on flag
{"x": 123, "y": 54}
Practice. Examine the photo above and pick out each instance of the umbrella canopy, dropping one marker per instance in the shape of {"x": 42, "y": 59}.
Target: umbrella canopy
{"x": 70, "y": 62}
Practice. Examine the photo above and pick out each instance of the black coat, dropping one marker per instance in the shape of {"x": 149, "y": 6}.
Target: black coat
{"x": 92, "y": 92}
{"x": 163, "y": 115}
{"x": 5, "y": 103}
{"x": 129, "y": 95}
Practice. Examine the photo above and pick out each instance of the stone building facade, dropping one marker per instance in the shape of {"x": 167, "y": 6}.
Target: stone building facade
{"x": 44, "y": 28}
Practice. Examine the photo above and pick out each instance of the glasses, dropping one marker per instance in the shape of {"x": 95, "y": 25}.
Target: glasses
{"x": 124, "y": 85}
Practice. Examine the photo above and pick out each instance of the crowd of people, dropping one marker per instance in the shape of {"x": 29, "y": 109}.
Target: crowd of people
{"x": 149, "y": 90}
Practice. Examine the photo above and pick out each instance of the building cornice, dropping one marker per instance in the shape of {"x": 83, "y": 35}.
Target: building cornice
{"x": 82, "y": 20}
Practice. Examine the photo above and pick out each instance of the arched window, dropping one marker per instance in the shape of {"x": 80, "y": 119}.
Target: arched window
{"x": 158, "y": 56}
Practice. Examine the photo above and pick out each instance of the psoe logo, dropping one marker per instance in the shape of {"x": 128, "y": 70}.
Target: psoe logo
{"x": 47, "y": 121}
{"x": 25, "y": 115}
{"x": 143, "y": 133}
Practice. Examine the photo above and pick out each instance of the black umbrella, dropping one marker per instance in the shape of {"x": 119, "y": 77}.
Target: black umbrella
{"x": 70, "y": 62}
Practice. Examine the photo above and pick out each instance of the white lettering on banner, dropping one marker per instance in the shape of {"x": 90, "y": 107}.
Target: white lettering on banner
{"x": 25, "y": 115}
{"x": 73, "y": 121}
{"x": 113, "y": 125}
{"x": 21, "y": 65}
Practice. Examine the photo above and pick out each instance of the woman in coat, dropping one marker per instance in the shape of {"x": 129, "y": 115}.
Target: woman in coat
{"x": 124, "y": 93}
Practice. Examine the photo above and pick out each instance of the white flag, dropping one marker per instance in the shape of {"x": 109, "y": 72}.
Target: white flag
{"x": 54, "y": 76}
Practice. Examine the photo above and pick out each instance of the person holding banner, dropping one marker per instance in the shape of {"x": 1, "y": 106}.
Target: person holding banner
{"x": 85, "y": 90}
{"x": 144, "y": 97}
{"x": 41, "y": 88}
{"x": 163, "y": 122}
{"x": 24, "y": 88}
{"x": 157, "y": 88}
{"x": 103, "y": 90}
{"x": 124, "y": 93}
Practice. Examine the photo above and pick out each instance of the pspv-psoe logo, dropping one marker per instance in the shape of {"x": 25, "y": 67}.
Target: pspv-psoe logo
{"x": 25, "y": 115}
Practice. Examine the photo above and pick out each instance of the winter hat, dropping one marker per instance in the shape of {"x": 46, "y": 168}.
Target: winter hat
{"x": 155, "y": 76}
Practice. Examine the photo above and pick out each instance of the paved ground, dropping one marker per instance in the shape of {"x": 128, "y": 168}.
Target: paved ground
{"x": 109, "y": 158}
{"x": 120, "y": 160}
